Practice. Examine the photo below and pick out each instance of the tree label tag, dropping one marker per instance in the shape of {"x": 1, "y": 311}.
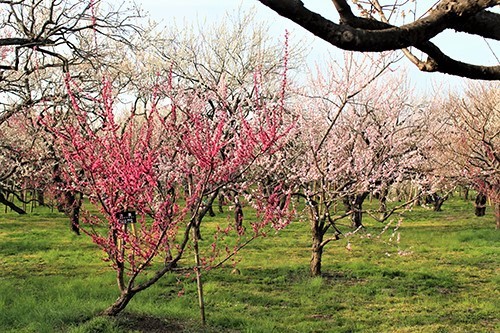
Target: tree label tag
{"x": 126, "y": 217}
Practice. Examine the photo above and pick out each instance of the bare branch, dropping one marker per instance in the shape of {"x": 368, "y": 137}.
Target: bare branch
{"x": 369, "y": 35}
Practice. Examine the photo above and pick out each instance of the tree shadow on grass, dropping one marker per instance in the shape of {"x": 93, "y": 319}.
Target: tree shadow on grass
{"x": 144, "y": 323}
{"x": 148, "y": 324}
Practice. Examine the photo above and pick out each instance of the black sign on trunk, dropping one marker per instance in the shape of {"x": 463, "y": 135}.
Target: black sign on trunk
{"x": 126, "y": 217}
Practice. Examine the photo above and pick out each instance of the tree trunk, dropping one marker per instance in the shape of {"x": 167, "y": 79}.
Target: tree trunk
{"x": 24, "y": 198}
{"x": 497, "y": 215}
{"x": 40, "y": 197}
{"x": 316, "y": 249}
{"x": 119, "y": 304}
{"x": 347, "y": 203}
{"x": 33, "y": 201}
{"x": 436, "y": 201}
{"x": 480, "y": 205}
{"x": 356, "y": 218}
{"x": 317, "y": 234}
{"x": 438, "y": 204}
{"x": 398, "y": 194}
{"x": 211, "y": 212}
{"x": 383, "y": 203}
{"x": 199, "y": 282}
{"x": 238, "y": 214}
{"x": 222, "y": 202}
{"x": 71, "y": 206}
{"x": 354, "y": 205}
{"x": 11, "y": 205}
{"x": 418, "y": 194}
{"x": 357, "y": 210}
{"x": 75, "y": 213}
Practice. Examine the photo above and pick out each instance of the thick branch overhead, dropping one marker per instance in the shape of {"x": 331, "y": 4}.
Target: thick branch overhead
{"x": 366, "y": 34}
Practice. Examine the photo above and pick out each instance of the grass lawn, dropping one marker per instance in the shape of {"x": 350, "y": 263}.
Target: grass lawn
{"x": 443, "y": 276}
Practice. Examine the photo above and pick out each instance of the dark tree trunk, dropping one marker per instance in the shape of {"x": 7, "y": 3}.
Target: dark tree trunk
{"x": 438, "y": 204}
{"x": 357, "y": 218}
{"x": 197, "y": 227}
{"x": 347, "y": 203}
{"x": 316, "y": 250}
{"x": 75, "y": 213}
{"x": 238, "y": 213}
{"x": 222, "y": 202}
{"x": 40, "y": 197}
{"x": 466, "y": 193}
{"x": 119, "y": 304}
{"x": 398, "y": 194}
{"x": 205, "y": 208}
{"x": 24, "y": 198}
{"x": 354, "y": 204}
{"x": 199, "y": 281}
{"x": 418, "y": 202}
{"x": 383, "y": 203}
{"x": 480, "y": 205}
{"x": 11, "y": 205}
{"x": 497, "y": 214}
{"x": 211, "y": 212}
{"x": 436, "y": 201}
{"x": 70, "y": 204}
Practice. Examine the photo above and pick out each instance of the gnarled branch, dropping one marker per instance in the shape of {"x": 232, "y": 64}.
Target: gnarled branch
{"x": 369, "y": 35}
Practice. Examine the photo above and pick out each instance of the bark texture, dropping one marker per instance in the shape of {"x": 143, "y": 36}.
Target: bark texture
{"x": 369, "y": 35}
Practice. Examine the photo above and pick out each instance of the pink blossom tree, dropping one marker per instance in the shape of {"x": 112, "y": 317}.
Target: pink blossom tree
{"x": 33, "y": 162}
{"x": 182, "y": 147}
{"x": 471, "y": 141}
{"x": 26, "y": 162}
{"x": 39, "y": 42}
{"x": 356, "y": 135}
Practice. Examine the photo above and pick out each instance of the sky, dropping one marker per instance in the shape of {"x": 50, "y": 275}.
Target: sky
{"x": 457, "y": 45}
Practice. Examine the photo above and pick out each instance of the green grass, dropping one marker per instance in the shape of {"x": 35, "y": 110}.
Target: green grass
{"x": 442, "y": 276}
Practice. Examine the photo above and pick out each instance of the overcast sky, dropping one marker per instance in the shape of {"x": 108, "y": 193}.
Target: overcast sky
{"x": 457, "y": 45}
